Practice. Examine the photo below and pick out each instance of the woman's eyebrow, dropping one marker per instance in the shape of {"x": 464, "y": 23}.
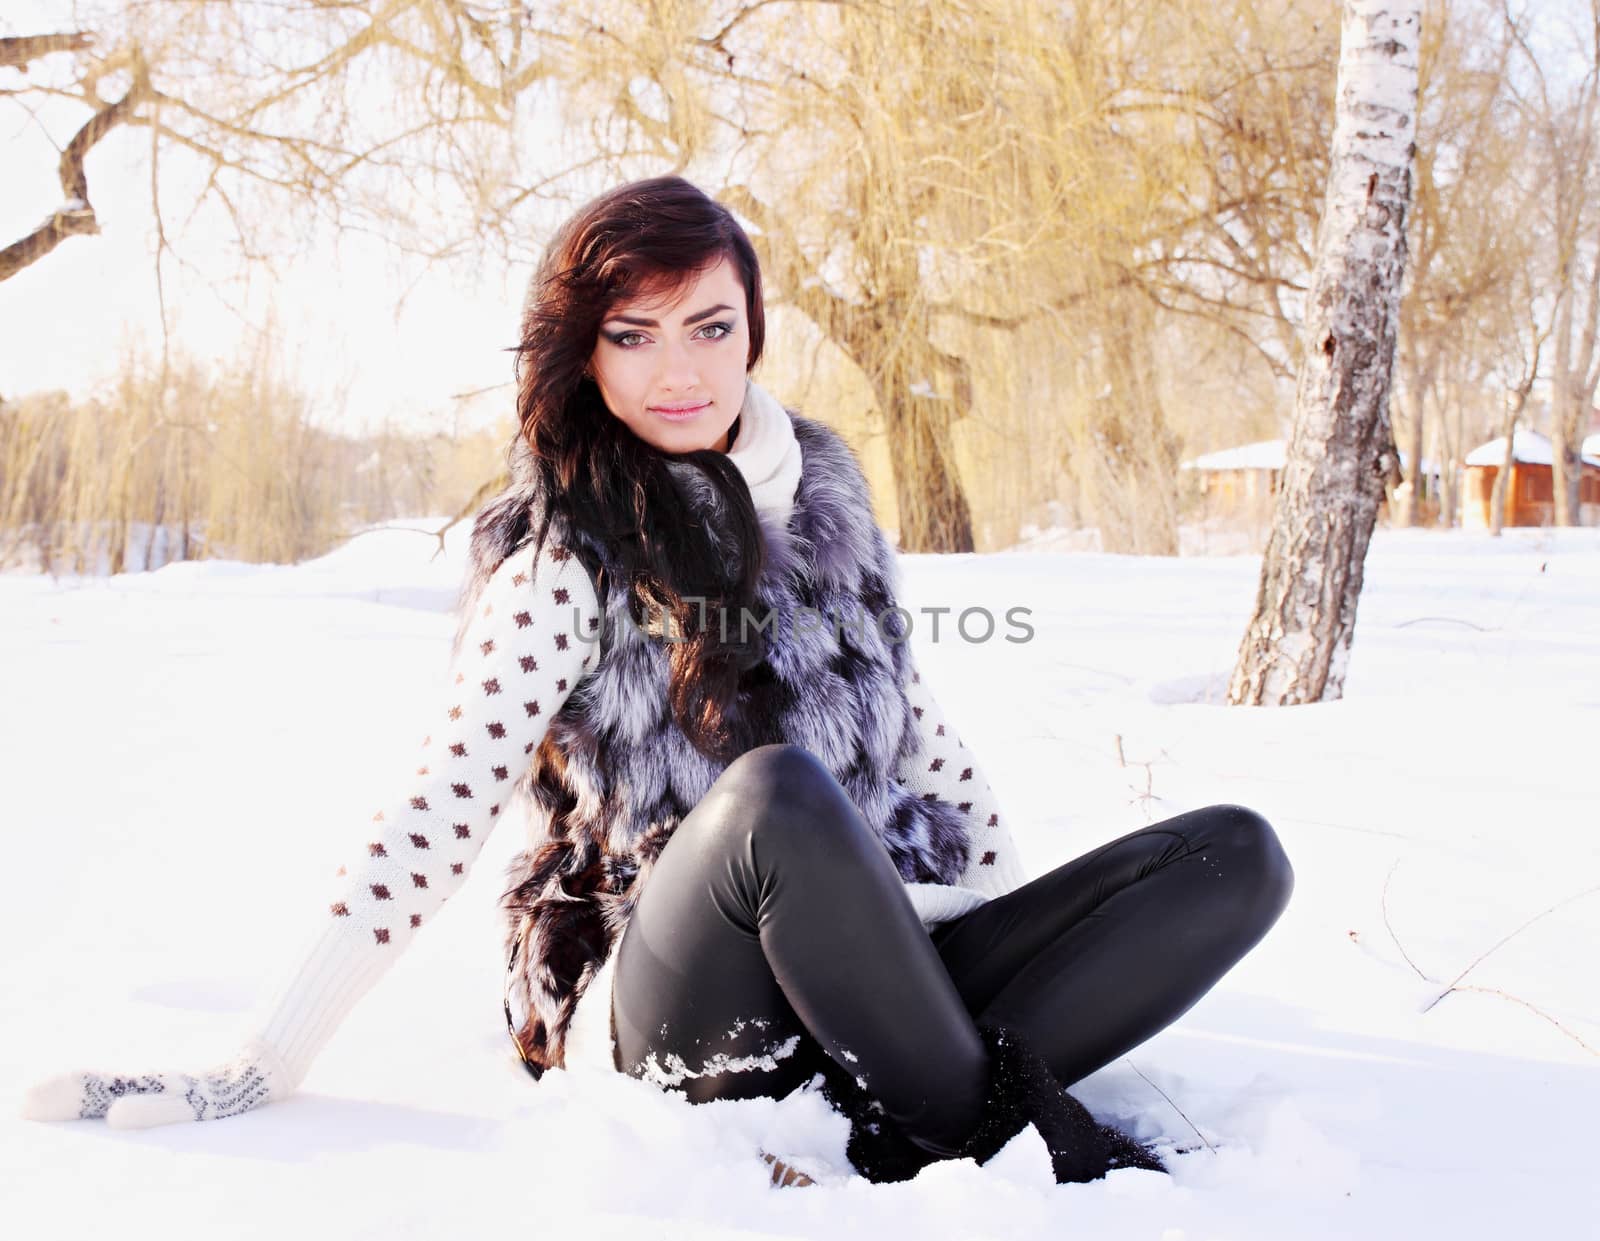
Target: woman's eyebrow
{"x": 692, "y": 319}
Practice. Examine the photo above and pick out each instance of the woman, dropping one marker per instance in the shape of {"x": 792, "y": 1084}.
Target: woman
{"x": 759, "y": 851}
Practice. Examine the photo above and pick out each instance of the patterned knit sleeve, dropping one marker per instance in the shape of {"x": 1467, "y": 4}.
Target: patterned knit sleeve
{"x": 943, "y": 767}
{"x": 527, "y": 644}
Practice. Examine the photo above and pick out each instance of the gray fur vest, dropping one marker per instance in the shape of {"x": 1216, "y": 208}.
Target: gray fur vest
{"x": 614, "y": 775}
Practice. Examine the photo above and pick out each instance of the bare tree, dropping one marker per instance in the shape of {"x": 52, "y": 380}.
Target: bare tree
{"x": 1464, "y": 234}
{"x": 75, "y": 216}
{"x": 1565, "y": 116}
{"x": 400, "y": 116}
{"x": 1297, "y": 644}
{"x": 999, "y": 218}
{"x": 931, "y": 183}
{"x": 1255, "y": 104}
{"x": 1514, "y": 338}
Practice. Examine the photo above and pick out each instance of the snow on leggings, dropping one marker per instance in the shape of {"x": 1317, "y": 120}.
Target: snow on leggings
{"x": 773, "y": 929}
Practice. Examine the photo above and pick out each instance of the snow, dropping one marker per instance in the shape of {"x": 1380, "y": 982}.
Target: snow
{"x": 1264, "y": 455}
{"x": 1529, "y": 448}
{"x": 185, "y": 749}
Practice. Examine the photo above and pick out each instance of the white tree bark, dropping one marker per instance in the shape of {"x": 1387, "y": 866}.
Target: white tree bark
{"x": 1297, "y": 645}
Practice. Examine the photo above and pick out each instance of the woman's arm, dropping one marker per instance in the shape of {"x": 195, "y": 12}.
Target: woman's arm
{"x": 520, "y": 656}
{"x": 522, "y": 653}
{"x": 941, "y": 766}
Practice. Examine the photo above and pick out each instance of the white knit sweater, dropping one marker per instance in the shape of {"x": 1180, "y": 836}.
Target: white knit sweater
{"x": 521, "y": 656}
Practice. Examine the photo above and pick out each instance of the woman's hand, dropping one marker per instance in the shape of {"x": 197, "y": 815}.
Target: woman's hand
{"x": 139, "y": 1101}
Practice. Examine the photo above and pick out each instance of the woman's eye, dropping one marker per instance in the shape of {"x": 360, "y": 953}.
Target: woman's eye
{"x": 632, "y": 340}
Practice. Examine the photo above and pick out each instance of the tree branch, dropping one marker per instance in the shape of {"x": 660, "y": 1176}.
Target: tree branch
{"x": 75, "y": 217}
{"x": 18, "y": 51}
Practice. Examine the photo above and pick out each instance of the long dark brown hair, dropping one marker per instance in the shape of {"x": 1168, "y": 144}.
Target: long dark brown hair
{"x": 589, "y": 470}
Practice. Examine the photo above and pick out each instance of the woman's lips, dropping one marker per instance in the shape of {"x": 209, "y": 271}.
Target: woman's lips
{"x": 681, "y": 414}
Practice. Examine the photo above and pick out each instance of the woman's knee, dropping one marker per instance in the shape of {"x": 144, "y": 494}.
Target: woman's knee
{"x": 1245, "y": 845}
{"x": 772, "y": 788}
{"x": 775, "y": 770}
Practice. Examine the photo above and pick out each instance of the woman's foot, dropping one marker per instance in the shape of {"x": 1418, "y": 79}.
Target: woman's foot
{"x": 1021, "y": 1091}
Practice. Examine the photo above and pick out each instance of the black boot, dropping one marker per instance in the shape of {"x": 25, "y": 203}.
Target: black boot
{"x": 1021, "y": 1091}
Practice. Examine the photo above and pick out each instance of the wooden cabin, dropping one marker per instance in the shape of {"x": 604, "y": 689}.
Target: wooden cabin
{"x": 1243, "y": 480}
{"x": 1239, "y": 478}
{"x": 1530, "y": 495}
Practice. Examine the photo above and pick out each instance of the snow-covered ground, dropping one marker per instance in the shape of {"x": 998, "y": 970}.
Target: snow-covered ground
{"x": 187, "y": 751}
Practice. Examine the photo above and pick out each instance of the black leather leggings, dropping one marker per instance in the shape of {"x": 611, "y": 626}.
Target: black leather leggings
{"x": 774, "y": 930}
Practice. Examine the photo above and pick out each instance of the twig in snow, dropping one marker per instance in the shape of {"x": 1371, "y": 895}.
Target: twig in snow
{"x": 1148, "y": 796}
{"x": 1173, "y": 1106}
{"x": 1122, "y": 761}
{"x": 436, "y": 535}
{"x": 1390, "y": 928}
{"x": 1449, "y": 620}
{"x": 1456, "y": 985}
{"x": 1505, "y": 940}
{"x": 1516, "y": 999}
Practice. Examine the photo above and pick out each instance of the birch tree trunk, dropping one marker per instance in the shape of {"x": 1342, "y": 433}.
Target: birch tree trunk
{"x": 1452, "y": 447}
{"x": 1298, "y": 642}
{"x": 1414, "y": 404}
{"x": 1516, "y": 402}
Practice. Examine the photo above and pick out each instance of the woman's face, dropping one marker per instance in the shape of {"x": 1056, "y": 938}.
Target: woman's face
{"x": 674, "y": 370}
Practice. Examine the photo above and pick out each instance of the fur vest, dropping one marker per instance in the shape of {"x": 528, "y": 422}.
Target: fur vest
{"x": 614, "y": 775}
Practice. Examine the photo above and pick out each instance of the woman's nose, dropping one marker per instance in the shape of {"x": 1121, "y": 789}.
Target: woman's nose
{"x": 678, "y": 369}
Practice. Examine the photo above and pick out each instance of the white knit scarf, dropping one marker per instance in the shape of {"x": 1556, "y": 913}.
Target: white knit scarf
{"x": 766, "y": 452}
